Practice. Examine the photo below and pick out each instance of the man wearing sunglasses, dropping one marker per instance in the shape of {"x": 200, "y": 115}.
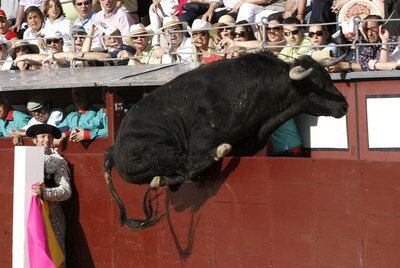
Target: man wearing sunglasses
{"x": 297, "y": 44}
{"x": 321, "y": 37}
{"x": 85, "y": 13}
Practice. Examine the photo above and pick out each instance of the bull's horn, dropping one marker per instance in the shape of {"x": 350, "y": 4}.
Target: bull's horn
{"x": 299, "y": 73}
{"x": 330, "y": 62}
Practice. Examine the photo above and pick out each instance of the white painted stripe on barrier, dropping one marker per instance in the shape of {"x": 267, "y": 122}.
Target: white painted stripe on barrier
{"x": 28, "y": 169}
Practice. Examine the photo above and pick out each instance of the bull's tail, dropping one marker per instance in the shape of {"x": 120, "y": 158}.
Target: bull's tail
{"x": 147, "y": 206}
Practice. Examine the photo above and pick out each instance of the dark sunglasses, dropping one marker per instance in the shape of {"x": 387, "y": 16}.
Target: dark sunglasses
{"x": 39, "y": 111}
{"x": 21, "y": 49}
{"x": 82, "y": 3}
{"x": 290, "y": 33}
{"x": 55, "y": 41}
{"x": 274, "y": 29}
{"x": 317, "y": 33}
{"x": 137, "y": 37}
{"x": 239, "y": 34}
{"x": 201, "y": 34}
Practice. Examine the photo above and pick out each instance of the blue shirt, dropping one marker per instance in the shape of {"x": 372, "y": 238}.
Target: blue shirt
{"x": 286, "y": 137}
{"x": 14, "y": 121}
{"x": 115, "y": 52}
{"x": 82, "y": 119}
{"x": 86, "y": 23}
{"x": 99, "y": 124}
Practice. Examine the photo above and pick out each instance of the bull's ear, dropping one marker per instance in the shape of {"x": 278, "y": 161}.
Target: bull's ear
{"x": 299, "y": 72}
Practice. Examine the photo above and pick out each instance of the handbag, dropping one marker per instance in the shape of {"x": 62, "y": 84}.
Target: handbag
{"x": 195, "y": 7}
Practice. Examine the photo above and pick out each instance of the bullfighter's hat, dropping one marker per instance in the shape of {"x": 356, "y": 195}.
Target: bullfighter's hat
{"x": 34, "y": 130}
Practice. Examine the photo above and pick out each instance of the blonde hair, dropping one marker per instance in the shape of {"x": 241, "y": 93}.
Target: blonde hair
{"x": 210, "y": 48}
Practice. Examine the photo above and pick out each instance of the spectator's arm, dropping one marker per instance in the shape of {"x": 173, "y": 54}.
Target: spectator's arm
{"x": 384, "y": 53}
{"x": 209, "y": 13}
{"x": 19, "y": 18}
{"x": 301, "y": 9}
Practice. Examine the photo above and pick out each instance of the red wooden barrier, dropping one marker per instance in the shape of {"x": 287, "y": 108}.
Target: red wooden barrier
{"x": 251, "y": 212}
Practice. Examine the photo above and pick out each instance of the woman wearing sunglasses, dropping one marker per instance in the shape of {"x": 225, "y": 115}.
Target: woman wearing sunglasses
{"x": 56, "y": 21}
{"x": 202, "y": 41}
{"x": 321, "y": 37}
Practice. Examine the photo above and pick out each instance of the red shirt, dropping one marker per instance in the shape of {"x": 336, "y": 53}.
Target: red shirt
{"x": 10, "y": 35}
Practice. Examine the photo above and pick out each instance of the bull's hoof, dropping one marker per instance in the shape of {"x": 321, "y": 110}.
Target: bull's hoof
{"x": 222, "y": 150}
{"x": 155, "y": 182}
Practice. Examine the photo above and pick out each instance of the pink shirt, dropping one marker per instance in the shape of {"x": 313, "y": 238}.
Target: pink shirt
{"x": 117, "y": 18}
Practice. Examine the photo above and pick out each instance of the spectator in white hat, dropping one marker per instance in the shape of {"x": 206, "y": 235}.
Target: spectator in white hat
{"x": 180, "y": 47}
{"x": 140, "y": 39}
{"x": 202, "y": 41}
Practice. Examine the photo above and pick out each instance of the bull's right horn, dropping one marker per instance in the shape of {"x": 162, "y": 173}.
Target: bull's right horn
{"x": 331, "y": 62}
{"x": 299, "y": 73}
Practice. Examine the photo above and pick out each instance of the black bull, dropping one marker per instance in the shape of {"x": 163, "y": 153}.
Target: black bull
{"x": 196, "y": 119}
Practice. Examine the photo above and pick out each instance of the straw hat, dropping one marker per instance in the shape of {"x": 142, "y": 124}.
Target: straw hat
{"x": 139, "y": 28}
{"x": 225, "y": 20}
{"x": 34, "y": 49}
{"x": 199, "y": 25}
{"x": 172, "y": 21}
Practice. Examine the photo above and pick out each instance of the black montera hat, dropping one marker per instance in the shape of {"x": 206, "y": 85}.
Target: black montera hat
{"x": 34, "y": 130}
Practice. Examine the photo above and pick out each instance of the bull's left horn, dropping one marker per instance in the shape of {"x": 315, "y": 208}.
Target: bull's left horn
{"x": 299, "y": 73}
{"x": 331, "y": 62}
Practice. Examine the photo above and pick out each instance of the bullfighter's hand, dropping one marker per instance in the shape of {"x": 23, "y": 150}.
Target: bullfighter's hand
{"x": 37, "y": 191}
{"x": 59, "y": 141}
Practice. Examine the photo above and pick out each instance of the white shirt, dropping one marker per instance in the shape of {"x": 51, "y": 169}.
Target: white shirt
{"x": 61, "y": 25}
{"x": 185, "y": 47}
{"x": 54, "y": 119}
{"x": 395, "y": 56}
{"x": 7, "y": 64}
{"x": 28, "y": 3}
{"x": 229, "y": 4}
{"x": 33, "y": 38}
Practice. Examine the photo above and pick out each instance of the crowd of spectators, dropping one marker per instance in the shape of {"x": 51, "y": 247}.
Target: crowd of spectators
{"x": 191, "y": 31}
{"x": 204, "y": 31}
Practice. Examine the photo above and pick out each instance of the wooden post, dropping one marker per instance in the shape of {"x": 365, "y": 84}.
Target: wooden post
{"x": 28, "y": 169}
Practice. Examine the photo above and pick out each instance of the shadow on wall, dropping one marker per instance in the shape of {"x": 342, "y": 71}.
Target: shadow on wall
{"x": 77, "y": 247}
{"x": 193, "y": 196}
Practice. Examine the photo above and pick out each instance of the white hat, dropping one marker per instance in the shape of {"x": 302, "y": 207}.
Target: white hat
{"x": 199, "y": 25}
{"x": 172, "y": 21}
{"x": 53, "y": 35}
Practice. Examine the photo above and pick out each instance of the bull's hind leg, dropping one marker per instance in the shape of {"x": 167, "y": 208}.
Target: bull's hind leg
{"x": 193, "y": 168}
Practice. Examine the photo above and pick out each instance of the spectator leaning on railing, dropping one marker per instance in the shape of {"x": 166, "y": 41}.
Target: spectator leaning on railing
{"x": 321, "y": 37}
{"x": 141, "y": 42}
{"x": 375, "y": 32}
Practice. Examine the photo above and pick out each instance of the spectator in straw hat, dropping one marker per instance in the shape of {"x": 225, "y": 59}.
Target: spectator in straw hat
{"x": 226, "y": 32}
{"x": 5, "y": 27}
{"x": 202, "y": 41}
{"x": 140, "y": 39}
{"x": 181, "y": 47}
{"x": 19, "y": 49}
